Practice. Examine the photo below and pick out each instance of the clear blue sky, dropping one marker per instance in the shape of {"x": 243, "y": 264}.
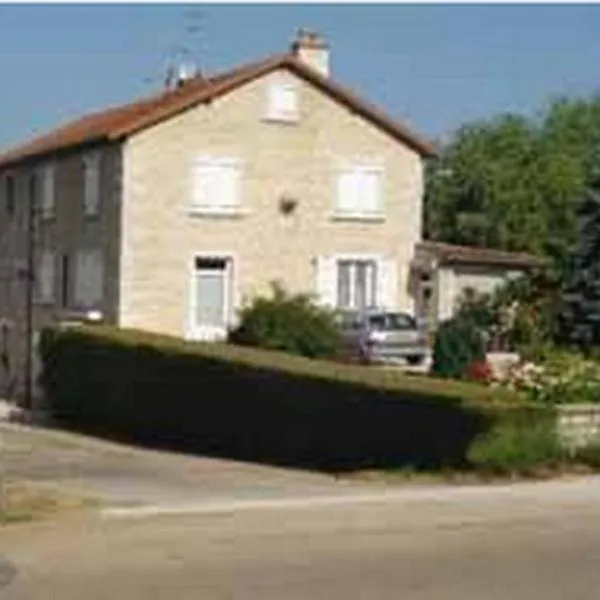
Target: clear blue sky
{"x": 436, "y": 66}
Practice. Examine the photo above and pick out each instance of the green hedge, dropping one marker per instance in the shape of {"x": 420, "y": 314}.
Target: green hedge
{"x": 261, "y": 405}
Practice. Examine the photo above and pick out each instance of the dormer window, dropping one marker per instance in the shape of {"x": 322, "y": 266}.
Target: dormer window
{"x": 282, "y": 101}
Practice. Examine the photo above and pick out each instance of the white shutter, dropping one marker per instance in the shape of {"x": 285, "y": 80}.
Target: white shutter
{"x": 81, "y": 279}
{"x": 326, "y": 280}
{"x": 89, "y": 278}
{"x": 348, "y": 199}
{"x": 216, "y": 184}
{"x": 359, "y": 191}
{"x": 370, "y": 191}
{"x": 91, "y": 200}
{"x": 96, "y": 277}
{"x": 46, "y": 276}
{"x": 48, "y": 191}
{"x": 387, "y": 284}
{"x": 283, "y": 101}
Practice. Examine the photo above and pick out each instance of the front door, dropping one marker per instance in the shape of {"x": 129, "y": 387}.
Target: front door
{"x": 211, "y": 294}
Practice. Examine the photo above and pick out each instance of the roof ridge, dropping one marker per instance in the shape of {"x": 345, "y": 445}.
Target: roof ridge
{"x": 122, "y": 120}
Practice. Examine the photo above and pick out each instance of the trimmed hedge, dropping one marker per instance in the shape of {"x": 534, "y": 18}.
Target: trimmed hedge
{"x": 261, "y": 405}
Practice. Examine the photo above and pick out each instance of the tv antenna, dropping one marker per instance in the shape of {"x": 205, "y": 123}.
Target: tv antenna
{"x": 186, "y": 58}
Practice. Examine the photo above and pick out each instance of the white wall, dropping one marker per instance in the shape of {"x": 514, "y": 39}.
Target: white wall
{"x": 453, "y": 280}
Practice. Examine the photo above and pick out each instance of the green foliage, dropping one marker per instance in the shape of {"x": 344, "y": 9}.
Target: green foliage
{"x": 521, "y": 446}
{"x": 477, "y": 308}
{"x": 589, "y": 454}
{"x": 512, "y": 182}
{"x": 520, "y": 315}
{"x": 290, "y": 323}
{"x": 260, "y": 405}
{"x": 458, "y": 344}
{"x": 580, "y": 317}
{"x": 559, "y": 377}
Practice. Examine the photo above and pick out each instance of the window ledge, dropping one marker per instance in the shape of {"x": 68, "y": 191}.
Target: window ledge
{"x": 363, "y": 217}
{"x": 217, "y": 212}
{"x": 46, "y": 302}
{"x": 282, "y": 119}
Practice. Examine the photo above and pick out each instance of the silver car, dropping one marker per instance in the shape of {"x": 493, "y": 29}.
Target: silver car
{"x": 381, "y": 336}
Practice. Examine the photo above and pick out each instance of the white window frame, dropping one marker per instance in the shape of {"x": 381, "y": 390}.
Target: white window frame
{"x": 91, "y": 184}
{"x": 46, "y": 282}
{"x": 278, "y": 114}
{"x": 199, "y": 205}
{"x": 212, "y": 333}
{"x": 376, "y": 259}
{"x": 360, "y": 213}
{"x": 88, "y": 296}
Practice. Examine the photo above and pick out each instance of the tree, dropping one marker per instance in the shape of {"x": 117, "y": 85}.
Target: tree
{"x": 513, "y": 182}
{"x": 580, "y": 318}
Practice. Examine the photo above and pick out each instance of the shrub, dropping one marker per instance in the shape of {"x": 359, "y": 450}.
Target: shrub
{"x": 290, "y": 323}
{"x": 560, "y": 377}
{"x": 480, "y": 371}
{"x": 519, "y": 446}
{"x": 589, "y": 454}
{"x": 261, "y": 405}
{"x": 458, "y": 344}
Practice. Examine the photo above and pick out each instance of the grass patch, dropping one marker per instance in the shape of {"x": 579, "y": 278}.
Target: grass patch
{"x": 25, "y": 501}
{"x": 458, "y": 477}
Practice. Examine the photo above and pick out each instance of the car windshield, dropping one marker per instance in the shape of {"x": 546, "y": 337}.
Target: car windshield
{"x": 392, "y": 321}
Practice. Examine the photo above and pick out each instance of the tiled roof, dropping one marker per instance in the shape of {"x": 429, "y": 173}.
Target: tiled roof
{"x": 453, "y": 254}
{"x": 119, "y": 122}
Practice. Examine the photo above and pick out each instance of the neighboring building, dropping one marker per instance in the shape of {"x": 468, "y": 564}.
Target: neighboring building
{"x": 167, "y": 213}
{"x": 443, "y": 272}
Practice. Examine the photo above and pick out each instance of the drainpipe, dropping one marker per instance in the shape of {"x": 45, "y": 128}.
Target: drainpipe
{"x": 29, "y": 290}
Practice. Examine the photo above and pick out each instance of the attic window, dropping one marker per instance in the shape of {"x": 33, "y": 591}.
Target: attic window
{"x": 282, "y": 102}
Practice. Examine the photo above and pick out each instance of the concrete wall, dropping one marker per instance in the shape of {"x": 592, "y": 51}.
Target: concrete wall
{"x": 160, "y": 236}
{"x": 578, "y": 424}
{"x": 455, "y": 279}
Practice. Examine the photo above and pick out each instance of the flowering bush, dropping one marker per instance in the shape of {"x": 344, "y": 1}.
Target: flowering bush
{"x": 561, "y": 378}
{"x": 480, "y": 370}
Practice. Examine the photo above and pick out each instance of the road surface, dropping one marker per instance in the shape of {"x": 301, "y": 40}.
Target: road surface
{"x": 523, "y": 542}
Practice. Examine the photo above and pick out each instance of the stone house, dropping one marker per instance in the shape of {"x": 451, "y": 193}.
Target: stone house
{"x": 166, "y": 213}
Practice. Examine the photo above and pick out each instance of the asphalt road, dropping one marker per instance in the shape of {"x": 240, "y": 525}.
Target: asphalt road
{"x": 533, "y": 542}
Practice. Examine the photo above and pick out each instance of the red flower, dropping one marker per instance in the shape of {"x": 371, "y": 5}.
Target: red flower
{"x": 480, "y": 371}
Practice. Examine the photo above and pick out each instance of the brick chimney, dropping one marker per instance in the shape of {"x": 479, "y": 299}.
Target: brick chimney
{"x": 312, "y": 49}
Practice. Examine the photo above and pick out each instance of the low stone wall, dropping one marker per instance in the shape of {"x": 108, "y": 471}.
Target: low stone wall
{"x": 502, "y": 362}
{"x": 578, "y": 424}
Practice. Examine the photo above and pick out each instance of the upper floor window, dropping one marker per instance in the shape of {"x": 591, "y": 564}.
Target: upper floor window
{"x": 47, "y": 205}
{"x": 91, "y": 195}
{"x": 359, "y": 191}
{"x": 216, "y": 185}
{"x": 10, "y": 193}
{"x": 282, "y": 101}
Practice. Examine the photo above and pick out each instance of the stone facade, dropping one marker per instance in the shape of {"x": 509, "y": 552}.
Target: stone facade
{"x": 302, "y": 159}
{"x": 148, "y": 237}
{"x": 578, "y": 424}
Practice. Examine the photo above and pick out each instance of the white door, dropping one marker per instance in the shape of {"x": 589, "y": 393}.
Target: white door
{"x": 210, "y": 306}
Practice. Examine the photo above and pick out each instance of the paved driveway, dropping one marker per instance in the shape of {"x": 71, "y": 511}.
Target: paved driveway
{"x": 123, "y": 475}
{"x": 521, "y": 542}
